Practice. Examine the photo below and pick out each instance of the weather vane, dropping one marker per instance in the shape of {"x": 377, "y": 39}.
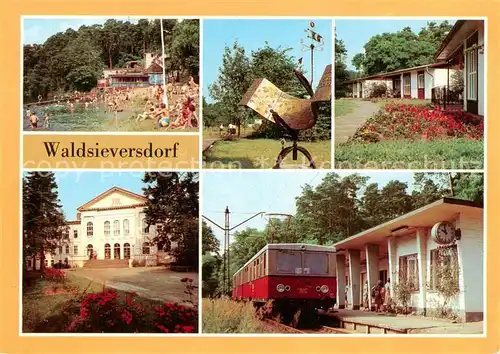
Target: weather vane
{"x": 315, "y": 42}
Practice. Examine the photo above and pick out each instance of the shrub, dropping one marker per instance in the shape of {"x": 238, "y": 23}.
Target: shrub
{"x": 53, "y": 274}
{"x": 378, "y": 90}
{"x": 224, "y": 315}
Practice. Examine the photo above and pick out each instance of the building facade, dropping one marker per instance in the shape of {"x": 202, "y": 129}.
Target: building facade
{"x": 111, "y": 226}
{"x": 409, "y": 249}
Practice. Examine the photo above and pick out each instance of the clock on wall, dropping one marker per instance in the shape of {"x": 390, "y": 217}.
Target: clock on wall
{"x": 443, "y": 233}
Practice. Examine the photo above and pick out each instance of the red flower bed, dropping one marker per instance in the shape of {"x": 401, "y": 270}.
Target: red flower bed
{"x": 108, "y": 312}
{"x": 52, "y": 274}
{"x": 419, "y": 122}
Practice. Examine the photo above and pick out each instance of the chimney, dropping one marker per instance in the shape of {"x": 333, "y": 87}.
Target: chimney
{"x": 148, "y": 60}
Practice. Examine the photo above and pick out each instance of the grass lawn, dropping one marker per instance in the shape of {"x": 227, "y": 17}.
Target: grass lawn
{"x": 227, "y": 316}
{"x": 262, "y": 153}
{"x": 44, "y": 313}
{"x": 404, "y": 154}
{"x": 382, "y": 103}
{"x": 343, "y": 107}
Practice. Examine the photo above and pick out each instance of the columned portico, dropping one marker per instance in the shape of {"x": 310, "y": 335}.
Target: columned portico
{"x": 354, "y": 276}
{"x": 372, "y": 258}
{"x": 340, "y": 266}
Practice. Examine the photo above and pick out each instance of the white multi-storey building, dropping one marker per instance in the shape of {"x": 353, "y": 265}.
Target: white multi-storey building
{"x": 111, "y": 226}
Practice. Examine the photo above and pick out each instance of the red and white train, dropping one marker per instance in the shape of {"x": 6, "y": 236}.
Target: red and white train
{"x": 291, "y": 281}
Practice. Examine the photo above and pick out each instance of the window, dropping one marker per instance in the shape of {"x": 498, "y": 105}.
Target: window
{"x": 145, "y": 226}
{"x": 471, "y": 73}
{"x": 107, "y": 228}
{"x": 126, "y": 251}
{"x": 145, "y": 248}
{"x": 75, "y": 250}
{"x": 46, "y": 263}
{"x": 90, "y": 229}
{"x": 408, "y": 271}
{"x": 288, "y": 263}
{"x": 67, "y": 249}
{"x": 315, "y": 263}
{"x": 407, "y": 85}
{"x": 60, "y": 249}
{"x": 90, "y": 250}
{"x": 51, "y": 262}
{"x": 126, "y": 227}
{"x": 421, "y": 81}
{"x": 444, "y": 266}
{"x": 116, "y": 228}
{"x": 75, "y": 233}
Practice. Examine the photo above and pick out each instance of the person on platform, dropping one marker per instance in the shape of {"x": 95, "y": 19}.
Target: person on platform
{"x": 387, "y": 297}
{"x": 377, "y": 293}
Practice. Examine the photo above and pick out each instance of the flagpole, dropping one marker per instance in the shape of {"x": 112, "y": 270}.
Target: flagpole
{"x": 165, "y": 98}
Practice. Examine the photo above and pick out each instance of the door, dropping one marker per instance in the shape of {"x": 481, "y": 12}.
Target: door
{"x": 116, "y": 254}
{"x": 421, "y": 85}
{"x": 107, "y": 251}
{"x": 396, "y": 87}
{"x": 407, "y": 85}
{"x": 126, "y": 251}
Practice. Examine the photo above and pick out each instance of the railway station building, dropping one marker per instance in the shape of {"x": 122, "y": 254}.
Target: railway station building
{"x": 412, "y": 249}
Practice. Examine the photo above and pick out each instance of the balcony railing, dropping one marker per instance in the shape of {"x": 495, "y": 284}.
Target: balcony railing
{"x": 446, "y": 99}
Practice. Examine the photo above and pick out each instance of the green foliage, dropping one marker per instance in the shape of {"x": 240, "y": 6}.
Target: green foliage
{"x": 227, "y": 316}
{"x": 43, "y": 221}
{"x": 403, "y": 49}
{"x": 74, "y": 60}
{"x": 172, "y": 205}
{"x": 439, "y": 154}
{"x": 341, "y": 72}
{"x": 237, "y": 73}
{"x": 211, "y": 266}
{"x": 402, "y": 293}
{"x": 210, "y": 243}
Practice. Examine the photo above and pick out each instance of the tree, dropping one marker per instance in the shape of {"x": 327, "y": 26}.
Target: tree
{"x": 210, "y": 243}
{"x": 341, "y": 72}
{"x": 43, "y": 221}
{"x": 172, "y": 205}
{"x": 394, "y": 200}
{"x": 403, "y": 49}
{"x": 185, "y": 45}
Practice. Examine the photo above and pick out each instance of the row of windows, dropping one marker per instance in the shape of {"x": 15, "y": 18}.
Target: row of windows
{"x": 116, "y": 228}
{"x": 146, "y": 249}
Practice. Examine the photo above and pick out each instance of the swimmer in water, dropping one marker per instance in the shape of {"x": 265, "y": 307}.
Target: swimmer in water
{"x": 86, "y": 105}
{"x": 33, "y": 120}
{"x": 46, "y": 120}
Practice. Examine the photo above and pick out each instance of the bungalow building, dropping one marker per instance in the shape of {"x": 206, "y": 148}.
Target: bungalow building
{"x": 416, "y": 82}
{"x": 413, "y": 249}
{"x": 464, "y": 46}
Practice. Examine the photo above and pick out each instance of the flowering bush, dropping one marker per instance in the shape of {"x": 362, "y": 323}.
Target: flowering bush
{"x": 419, "y": 122}
{"x": 107, "y": 312}
{"x": 55, "y": 275}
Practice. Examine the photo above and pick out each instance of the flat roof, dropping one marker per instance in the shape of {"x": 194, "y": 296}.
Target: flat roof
{"x": 391, "y": 73}
{"x": 454, "y": 39}
{"x": 441, "y": 210}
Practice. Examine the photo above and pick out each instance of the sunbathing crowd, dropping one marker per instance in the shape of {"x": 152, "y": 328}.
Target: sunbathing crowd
{"x": 180, "y": 113}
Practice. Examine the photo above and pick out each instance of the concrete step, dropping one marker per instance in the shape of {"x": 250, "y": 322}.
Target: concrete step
{"x": 106, "y": 263}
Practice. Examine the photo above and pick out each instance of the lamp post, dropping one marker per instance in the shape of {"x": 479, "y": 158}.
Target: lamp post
{"x": 227, "y": 229}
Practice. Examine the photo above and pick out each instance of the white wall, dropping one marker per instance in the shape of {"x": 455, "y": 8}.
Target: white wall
{"x": 481, "y": 78}
{"x": 414, "y": 87}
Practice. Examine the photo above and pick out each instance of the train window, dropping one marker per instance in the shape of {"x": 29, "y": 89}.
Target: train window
{"x": 315, "y": 263}
{"x": 288, "y": 262}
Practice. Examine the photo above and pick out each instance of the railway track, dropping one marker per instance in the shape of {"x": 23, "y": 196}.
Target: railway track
{"x": 320, "y": 330}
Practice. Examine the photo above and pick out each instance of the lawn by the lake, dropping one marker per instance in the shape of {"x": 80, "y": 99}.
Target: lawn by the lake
{"x": 262, "y": 153}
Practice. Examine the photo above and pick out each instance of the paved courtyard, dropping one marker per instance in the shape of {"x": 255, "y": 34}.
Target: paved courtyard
{"x": 346, "y": 125}
{"x": 154, "y": 283}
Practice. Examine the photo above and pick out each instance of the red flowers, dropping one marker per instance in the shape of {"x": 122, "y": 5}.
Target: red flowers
{"x": 107, "y": 311}
{"x": 419, "y": 122}
{"x": 53, "y": 274}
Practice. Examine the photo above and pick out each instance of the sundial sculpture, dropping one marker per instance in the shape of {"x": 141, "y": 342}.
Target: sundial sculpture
{"x": 290, "y": 113}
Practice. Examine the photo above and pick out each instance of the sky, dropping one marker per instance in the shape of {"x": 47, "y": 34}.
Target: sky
{"x": 252, "y": 35}
{"x": 78, "y": 187}
{"x": 38, "y": 30}
{"x": 355, "y": 33}
{"x": 250, "y": 192}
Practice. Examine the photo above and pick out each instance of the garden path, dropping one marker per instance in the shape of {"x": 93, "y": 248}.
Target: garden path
{"x": 345, "y": 126}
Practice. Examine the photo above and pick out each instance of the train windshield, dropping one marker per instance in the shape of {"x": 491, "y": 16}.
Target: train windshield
{"x": 288, "y": 262}
{"x": 315, "y": 263}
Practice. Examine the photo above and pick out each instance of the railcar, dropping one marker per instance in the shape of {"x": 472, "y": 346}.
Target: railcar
{"x": 288, "y": 281}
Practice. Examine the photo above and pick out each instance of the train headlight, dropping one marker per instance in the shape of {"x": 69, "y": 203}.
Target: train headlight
{"x": 288, "y": 287}
{"x": 280, "y": 288}
{"x": 318, "y": 288}
{"x": 324, "y": 289}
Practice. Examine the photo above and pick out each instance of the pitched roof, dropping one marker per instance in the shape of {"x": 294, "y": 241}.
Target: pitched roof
{"x": 154, "y": 68}
{"x": 110, "y": 191}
